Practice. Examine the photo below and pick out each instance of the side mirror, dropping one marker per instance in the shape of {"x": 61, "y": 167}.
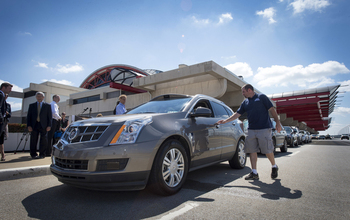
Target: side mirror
{"x": 201, "y": 112}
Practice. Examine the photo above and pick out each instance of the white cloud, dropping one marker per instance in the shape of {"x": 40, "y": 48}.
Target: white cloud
{"x": 201, "y": 22}
{"x": 344, "y": 86}
{"x": 240, "y": 69}
{"x": 68, "y": 68}
{"x": 25, "y": 33}
{"x": 342, "y": 110}
{"x": 64, "y": 82}
{"x": 15, "y": 105}
{"x": 225, "y": 18}
{"x": 42, "y": 65}
{"x": 310, "y": 76}
{"x": 14, "y": 88}
{"x": 229, "y": 57}
{"x": 301, "y": 5}
{"x": 268, "y": 13}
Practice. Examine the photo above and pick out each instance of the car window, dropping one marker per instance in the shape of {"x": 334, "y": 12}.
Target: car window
{"x": 161, "y": 106}
{"x": 219, "y": 110}
{"x": 229, "y": 111}
{"x": 204, "y": 104}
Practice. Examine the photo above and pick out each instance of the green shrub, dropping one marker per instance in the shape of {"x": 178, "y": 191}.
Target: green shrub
{"x": 17, "y": 128}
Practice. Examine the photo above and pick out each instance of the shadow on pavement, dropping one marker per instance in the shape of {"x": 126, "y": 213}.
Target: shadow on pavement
{"x": 274, "y": 191}
{"x": 65, "y": 202}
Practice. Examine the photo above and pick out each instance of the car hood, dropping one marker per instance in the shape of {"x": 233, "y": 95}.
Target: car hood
{"x": 113, "y": 119}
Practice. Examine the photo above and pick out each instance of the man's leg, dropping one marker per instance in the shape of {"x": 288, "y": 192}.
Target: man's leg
{"x": 253, "y": 159}
{"x": 33, "y": 142}
{"x": 271, "y": 157}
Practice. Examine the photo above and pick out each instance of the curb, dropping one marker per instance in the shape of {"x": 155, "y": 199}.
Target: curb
{"x": 18, "y": 173}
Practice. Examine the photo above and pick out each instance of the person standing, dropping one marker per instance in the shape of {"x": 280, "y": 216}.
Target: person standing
{"x": 5, "y": 89}
{"x": 39, "y": 121}
{"x": 120, "y": 108}
{"x": 64, "y": 123}
{"x": 55, "y": 123}
{"x": 259, "y": 138}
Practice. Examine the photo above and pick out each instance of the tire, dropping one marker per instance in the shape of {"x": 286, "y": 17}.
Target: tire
{"x": 170, "y": 168}
{"x": 292, "y": 143}
{"x": 239, "y": 159}
{"x": 284, "y": 148}
{"x": 296, "y": 143}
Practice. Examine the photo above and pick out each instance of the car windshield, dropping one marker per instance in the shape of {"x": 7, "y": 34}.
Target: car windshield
{"x": 288, "y": 130}
{"x": 161, "y": 106}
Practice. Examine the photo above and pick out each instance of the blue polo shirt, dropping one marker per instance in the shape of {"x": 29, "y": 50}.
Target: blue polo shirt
{"x": 257, "y": 109}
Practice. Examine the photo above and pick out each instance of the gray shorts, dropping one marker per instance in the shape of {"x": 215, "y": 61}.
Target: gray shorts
{"x": 259, "y": 140}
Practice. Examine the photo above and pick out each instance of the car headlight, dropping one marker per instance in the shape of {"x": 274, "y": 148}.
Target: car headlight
{"x": 129, "y": 132}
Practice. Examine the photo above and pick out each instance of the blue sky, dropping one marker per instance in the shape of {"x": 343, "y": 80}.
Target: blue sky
{"x": 278, "y": 45}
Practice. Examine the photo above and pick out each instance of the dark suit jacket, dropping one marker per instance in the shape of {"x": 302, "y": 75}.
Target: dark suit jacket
{"x": 2, "y": 112}
{"x": 45, "y": 115}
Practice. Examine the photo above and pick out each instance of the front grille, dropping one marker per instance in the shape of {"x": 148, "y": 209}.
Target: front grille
{"x": 71, "y": 164}
{"x": 84, "y": 133}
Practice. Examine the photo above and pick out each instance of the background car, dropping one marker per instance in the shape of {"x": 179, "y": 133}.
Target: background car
{"x": 291, "y": 137}
{"x": 344, "y": 137}
{"x": 155, "y": 144}
{"x": 321, "y": 137}
{"x": 313, "y": 136}
{"x": 304, "y": 136}
{"x": 279, "y": 138}
{"x": 328, "y": 137}
{"x": 299, "y": 135}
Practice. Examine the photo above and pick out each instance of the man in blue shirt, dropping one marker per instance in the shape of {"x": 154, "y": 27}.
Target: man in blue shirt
{"x": 120, "y": 108}
{"x": 259, "y": 138}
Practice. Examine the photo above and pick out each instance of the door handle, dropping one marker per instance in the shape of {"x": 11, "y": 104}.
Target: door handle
{"x": 217, "y": 126}
{"x": 233, "y": 123}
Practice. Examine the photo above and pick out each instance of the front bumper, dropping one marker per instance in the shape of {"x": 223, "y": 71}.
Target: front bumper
{"x": 109, "y": 168}
{"x": 102, "y": 180}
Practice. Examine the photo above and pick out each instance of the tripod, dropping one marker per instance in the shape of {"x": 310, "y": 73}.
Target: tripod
{"x": 24, "y": 136}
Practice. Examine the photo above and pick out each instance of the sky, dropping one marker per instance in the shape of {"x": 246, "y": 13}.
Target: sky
{"x": 276, "y": 45}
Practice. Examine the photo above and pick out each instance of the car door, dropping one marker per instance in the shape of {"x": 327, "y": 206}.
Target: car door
{"x": 228, "y": 131}
{"x": 204, "y": 135}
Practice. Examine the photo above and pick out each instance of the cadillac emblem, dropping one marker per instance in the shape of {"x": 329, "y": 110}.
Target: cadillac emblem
{"x": 73, "y": 134}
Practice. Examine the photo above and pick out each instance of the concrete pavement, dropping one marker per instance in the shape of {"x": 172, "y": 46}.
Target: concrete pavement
{"x": 21, "y": 165}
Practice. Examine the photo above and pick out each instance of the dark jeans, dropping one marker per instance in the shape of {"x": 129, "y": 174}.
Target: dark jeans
{"x": 34, "y": 136}
{"x": 51, "y": 138}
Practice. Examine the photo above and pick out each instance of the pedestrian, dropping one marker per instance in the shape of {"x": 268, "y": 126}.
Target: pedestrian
{"x": 63, "y": 123}
{"x": 5, "y": 89}
{"x": 120, "y": 108}
{"x": 259, "y": 138}
{"x": 55, "y": 123}
{"x": 39, "y": 121}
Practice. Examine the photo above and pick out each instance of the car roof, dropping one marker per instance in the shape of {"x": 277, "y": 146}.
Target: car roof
{"x": 180, "y": 96}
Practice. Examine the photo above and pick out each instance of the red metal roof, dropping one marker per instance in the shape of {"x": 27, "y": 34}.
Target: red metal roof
{"x": 312, "y": 106}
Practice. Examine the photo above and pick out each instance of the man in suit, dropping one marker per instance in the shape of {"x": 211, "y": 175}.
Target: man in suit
{"x": 39, "y": 119}
{"x": 5, "y": 89}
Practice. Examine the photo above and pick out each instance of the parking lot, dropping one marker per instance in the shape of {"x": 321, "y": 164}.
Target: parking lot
{"x": 312, "y": 184}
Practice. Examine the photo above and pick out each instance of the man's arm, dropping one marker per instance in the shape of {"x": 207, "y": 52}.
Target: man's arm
{"x": 233, "y": 117}
{"x": 273, "y": 112}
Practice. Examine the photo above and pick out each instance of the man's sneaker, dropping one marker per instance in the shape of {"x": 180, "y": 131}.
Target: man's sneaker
{"x": 252, "y": 176}
{"x": 274, "y": 173}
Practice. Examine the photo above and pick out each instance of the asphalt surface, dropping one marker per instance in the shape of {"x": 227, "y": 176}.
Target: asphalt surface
{"x": 312, "y": 184}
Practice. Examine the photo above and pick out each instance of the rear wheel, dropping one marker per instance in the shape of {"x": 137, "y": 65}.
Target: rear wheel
{"x": 239, "y": 158}
{"x": 284, "y": 148}
{"x": 169, "y": 169}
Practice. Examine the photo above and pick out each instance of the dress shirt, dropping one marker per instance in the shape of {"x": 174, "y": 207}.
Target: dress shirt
{"x": 120, "y": 109}
{"x": 54, "y": 110}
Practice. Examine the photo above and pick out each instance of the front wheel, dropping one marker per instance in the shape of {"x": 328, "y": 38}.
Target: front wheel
{"x": 239, "y": 158}
{"x": 169, "y": 169}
